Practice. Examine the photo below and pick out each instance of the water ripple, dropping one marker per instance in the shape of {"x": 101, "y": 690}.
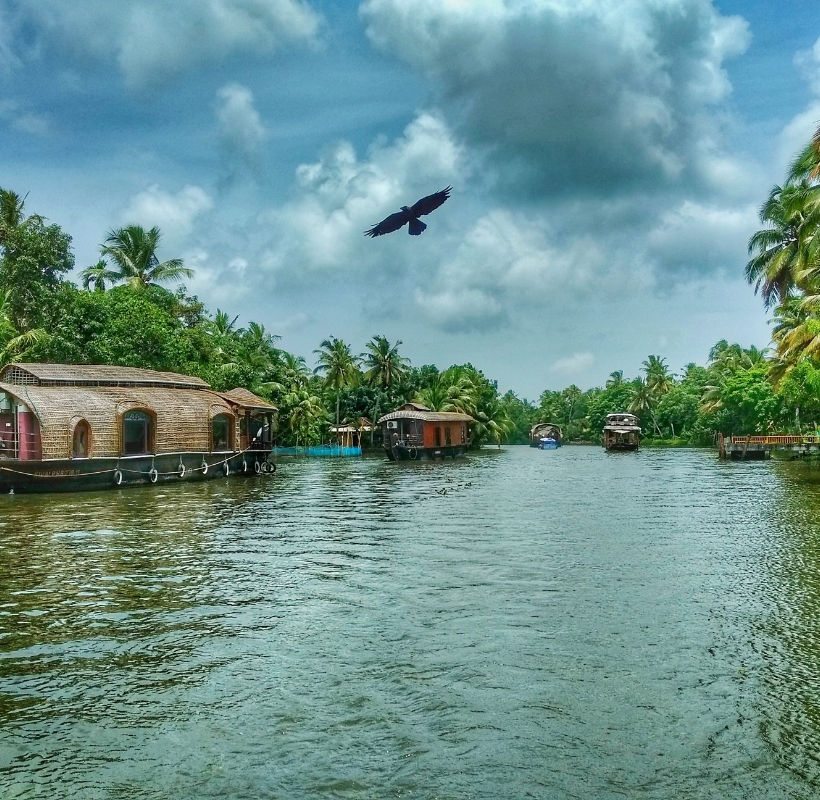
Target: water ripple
{"x": 515, "y": 624}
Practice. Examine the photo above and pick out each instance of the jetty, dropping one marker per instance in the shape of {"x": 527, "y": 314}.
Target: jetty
{"x": 758, "y": 448}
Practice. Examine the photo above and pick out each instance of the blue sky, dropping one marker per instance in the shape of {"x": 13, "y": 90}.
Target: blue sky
{"x": 608, "y": 159}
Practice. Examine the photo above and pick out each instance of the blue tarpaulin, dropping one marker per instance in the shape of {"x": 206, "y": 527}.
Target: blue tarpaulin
{"x": 318, "y": 450}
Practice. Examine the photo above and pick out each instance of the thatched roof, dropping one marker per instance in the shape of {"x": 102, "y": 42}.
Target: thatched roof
{"x": 543, "y": 427}
{"x": 415, "y": 407}
{"x": 94, "y": 375}
{"x": 248, "y": 399}
{"x": 183, "y": 416}
{"x": 427, "y": 416}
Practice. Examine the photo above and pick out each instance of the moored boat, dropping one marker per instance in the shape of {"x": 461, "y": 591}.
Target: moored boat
{"x": 414, "y": 432}
{"x": 621, "y": 432}
{"x": 543, "y": 433}
{"x": 70, "y": 427}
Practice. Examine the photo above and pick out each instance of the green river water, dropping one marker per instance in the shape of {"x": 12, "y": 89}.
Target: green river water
{"x": 516, "y": 624}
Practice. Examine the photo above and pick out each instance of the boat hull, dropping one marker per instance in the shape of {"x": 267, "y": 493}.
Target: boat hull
{"x": 94, "y": 474}
{"x": 620, "y": 446}
{"x": 399, "y": 453}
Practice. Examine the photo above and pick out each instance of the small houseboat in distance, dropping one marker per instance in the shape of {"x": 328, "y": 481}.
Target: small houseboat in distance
{"x": 415, "y": 432}
{"x": 67, "y": 427}
{"x": 621, "y": 432}
{"x": 545, "y": 435}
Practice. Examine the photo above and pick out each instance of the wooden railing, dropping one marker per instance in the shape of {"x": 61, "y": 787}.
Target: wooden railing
{"x": 775, "y": 440}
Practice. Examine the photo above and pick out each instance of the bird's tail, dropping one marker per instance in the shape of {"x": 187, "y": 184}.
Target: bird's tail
{"x": 416, "y": 227}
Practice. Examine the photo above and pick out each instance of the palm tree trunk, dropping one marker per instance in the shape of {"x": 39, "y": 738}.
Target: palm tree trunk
{"x": 373, "y": 425}
{"x": 338, "y": 399}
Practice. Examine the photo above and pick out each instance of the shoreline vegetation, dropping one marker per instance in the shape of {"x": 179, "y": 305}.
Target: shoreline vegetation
{"x": 122, "y": 314}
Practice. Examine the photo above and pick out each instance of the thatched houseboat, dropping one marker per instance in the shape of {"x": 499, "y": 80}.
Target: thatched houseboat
{"x": 415, "y": 432}
{"x": 66, "y": 427}
{"x": 545, "y": 432}
{"x": 621, "y": 432}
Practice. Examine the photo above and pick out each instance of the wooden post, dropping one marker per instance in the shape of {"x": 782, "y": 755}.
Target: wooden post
{"x": 745, "y": 447}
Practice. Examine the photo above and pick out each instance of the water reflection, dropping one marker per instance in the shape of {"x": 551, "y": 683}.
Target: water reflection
{"x": 788, "y": 631}
{"x": 521, "y": 623}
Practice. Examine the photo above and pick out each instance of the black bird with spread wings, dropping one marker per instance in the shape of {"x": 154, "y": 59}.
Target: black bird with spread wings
{"x": 395, "y": 221}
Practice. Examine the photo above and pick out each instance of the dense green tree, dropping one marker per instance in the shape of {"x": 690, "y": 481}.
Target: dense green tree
{"x": 34, "y": 257}
{"x": 749, "y": 403}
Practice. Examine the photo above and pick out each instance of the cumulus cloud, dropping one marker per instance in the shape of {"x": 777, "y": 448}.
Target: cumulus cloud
{"x": 153, "y": 41}
{"x": 321, "y": 229}
{"x": 572, "y": 365}
{"x": 174, "y": 214}
{"x": 241, "y": 130}
{"x": 572, "y": 96}
{"x": 505, "y": 261}
{"x": 695, "y": 239}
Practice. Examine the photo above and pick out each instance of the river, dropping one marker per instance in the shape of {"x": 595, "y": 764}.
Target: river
{"x": 567, "y": 624}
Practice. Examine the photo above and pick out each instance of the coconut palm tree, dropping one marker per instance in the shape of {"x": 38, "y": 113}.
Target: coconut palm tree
{"x": 493, "y": 422}
{"x": 294, "y": 368}
{"x": 806, "y": 166}
{"x": 383, "y": 364}
{"x": 339, "y": 365}
{"x": 134, "y": 253}
{"x": 384, "y": 367}
{"x": 615, "y": 379}
{"x": 304, "y": 411}
{"x": 659, "y": 380}
{"x": 451, "y": 390}
{"x": 97, "y": 276}
{"x": 643, "y": 402}
{"x": 780, "y": 250}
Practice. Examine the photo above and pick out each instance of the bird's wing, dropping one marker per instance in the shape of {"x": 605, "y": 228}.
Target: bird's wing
{"x": 430, "y": 203}
{"x": 390, "y": 224}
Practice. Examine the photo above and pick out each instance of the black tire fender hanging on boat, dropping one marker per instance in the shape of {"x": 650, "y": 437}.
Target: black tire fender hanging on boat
{"x": 117, "y": 477}
{"x": 153, "y": 475}
{"x": 181, "y": 470}
{"x": 204, "y": 467}
{"x": 257, "y": 467}
{"x": 227, "y": 468}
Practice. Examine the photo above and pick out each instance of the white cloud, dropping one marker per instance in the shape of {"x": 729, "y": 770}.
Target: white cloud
{"x": 797, "y": 133}
{"x": 322, "y": 229}
{"x": 505, "y": 261}
{"x": 20, "y": 120}
{"x": 152, "y": 40}
{"x": 694, "y": 238}
{"x": 573, "y": 96}
{"x": 240, "y": 127}
{"x": 572, "y": 365}
{"x": 174, "y": 214}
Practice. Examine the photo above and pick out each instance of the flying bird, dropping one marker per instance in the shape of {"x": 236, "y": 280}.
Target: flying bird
{"x": 398, "y": 220}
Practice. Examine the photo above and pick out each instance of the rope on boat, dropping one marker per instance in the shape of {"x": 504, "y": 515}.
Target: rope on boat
{"x": 204, "y": 469}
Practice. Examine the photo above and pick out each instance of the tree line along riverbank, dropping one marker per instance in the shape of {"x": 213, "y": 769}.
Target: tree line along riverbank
{"x": 122, "y": 313}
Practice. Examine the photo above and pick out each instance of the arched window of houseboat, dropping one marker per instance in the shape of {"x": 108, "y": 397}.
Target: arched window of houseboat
{"x": 81, "y": 441}
{"x": 221, "y": 430}
{"x": 137, "y": 433}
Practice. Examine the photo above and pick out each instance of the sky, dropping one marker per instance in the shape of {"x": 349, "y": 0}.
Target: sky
{"x": 608, "y": 159}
